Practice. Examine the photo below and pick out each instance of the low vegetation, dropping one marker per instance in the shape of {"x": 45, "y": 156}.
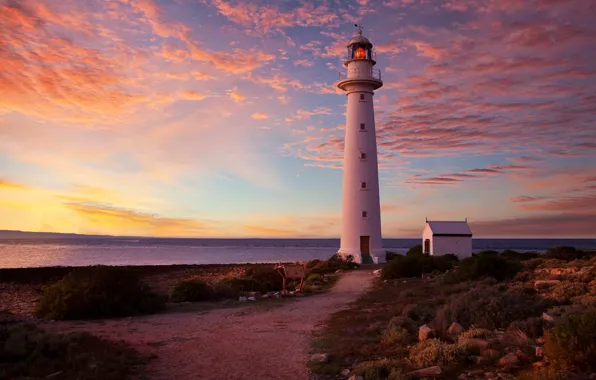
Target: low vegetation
{"x": 98, "y": 292}
{"x": 28, "y": 352}
{"x": 494, "y": 315}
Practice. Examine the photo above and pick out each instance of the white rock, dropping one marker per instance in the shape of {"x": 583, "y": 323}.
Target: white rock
{"x": 242, "y": 299}
{"x": 509, "y": 360}
{"x": 547, "y": 317}
{"x": 345, "y": 372}
{"x": 455, "y": 329}
{"x": 539, "y": 351}
{"x": 251, "y": 298}
{"x": 377, "y": 272}
{"x": 338, "y": 271}
{"x": 356, "y": 378}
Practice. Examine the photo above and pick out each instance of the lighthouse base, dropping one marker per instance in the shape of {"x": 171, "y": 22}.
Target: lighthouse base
{"x": 377, "y": 256}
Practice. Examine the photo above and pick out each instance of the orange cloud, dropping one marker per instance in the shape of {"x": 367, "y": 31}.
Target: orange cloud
{"x": 259, "y": 116}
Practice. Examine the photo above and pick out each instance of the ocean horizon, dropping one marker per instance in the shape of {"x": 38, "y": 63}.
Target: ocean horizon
{"x": 83, "y": 250}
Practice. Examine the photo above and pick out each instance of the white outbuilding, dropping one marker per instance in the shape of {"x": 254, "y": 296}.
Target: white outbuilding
{"x": 443, "y": 237}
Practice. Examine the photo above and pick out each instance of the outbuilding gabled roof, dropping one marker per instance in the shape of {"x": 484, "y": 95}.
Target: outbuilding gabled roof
{"x": 449, "y": 228}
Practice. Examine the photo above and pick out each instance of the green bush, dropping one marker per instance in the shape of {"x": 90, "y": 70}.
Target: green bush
{"x": 98, "y": 292}
{"x": 400, "y": 331}
{"x": 28, "y": 352}
{"x": 414, "y": 265}
{"x": 415, "y": 250}
{"x": 564, "y": 253}
{"x": 572, "y": 342}
{"x": 268, "y": 279}
{"x": 521, "y": 256}
{"x": 492, "y": 307}
{"x": 379, "y": 369}
{"x": 192, "y": 291}
{"x": 235, "y": 285}
{"x": 483, "y": 265}
{"x": 564, "y": 291}
{"x": 436, "y": 352}
{"x": 332, "y": 265}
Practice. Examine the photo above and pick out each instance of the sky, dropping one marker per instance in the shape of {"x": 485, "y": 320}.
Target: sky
{"x": 213, "y": 118}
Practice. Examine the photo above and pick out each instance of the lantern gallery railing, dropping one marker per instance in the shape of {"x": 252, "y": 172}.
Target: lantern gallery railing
{"x": 357, "y": 73}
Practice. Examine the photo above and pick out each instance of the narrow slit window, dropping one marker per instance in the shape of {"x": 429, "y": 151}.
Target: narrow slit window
{"x": 363, "y": 185}
{"x": 364, "y": 214}
{"x": 362, "y": 127}
{"x": 361, "y": 96}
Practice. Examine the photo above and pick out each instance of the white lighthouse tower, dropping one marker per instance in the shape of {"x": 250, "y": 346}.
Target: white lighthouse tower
{"x": 361, "y": 209}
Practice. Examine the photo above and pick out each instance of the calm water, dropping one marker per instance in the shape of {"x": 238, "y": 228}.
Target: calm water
{"x": 20, "y": 253}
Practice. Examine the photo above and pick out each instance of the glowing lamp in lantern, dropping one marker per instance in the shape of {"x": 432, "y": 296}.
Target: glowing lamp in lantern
{"x": 360, "y": 53}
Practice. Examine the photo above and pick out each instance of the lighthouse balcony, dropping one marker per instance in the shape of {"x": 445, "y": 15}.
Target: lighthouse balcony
{"x": 360, "y": 73}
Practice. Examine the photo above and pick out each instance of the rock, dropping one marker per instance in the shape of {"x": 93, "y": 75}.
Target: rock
{"x": 462, "y": 376}
{"x": 291, "y": 293}
{"x": 539, "y": 364}
{"x": 547, "y": 317}
{"x": 54, "y": 374}
{"x": 356, "y": 378}
{"x": 476, "y": 372}
{"x": 242, "y": 299}
{"x": 540, "y": 340}
{"x": 319, "y": 358}
{"x": 377, "y": 272}
{"x": 478, "y": 360}
{"x": 430, "y": 371}
{"x": 539, "y": 351}
{"x": 424, "y": 332}
{"x": 455, "y": 329}
{"x": 251, "y": 298}
{"x": 345, "y": 372}
{"x": 265, "y": 296}
{"x": 489, "y": 375}
{"x": 509, "y": 360}
{"x": 481, "y": 344}
{"x": 252, "y": 294}
{"x": 338, "y": 271}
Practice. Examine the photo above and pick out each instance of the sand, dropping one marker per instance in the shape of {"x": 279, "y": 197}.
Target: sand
{"x": 258, "y": 340}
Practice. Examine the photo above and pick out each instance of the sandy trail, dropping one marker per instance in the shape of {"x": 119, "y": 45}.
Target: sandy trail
{"x": 261, "y": 340}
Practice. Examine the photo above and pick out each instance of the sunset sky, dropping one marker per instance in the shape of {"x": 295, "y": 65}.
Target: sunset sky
{"x": 213, "y": 118}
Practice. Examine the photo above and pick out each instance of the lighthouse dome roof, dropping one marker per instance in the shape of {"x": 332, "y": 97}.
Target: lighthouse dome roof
{"x": 359, "y": 39}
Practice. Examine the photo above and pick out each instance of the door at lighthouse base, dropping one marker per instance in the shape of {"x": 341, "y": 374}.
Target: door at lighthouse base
{"x": 365, "y": 250}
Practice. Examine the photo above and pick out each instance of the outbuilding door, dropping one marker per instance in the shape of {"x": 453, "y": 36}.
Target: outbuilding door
{"x": 426, "y": 246}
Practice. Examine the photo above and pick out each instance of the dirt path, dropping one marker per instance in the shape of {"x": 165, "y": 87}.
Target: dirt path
{"x": 262, "y": 340}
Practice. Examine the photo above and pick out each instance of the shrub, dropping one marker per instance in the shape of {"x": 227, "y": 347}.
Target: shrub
{"x": 483, "y": 265}
{"x": 564, "y": 253}
{"x": 192, "y": 291}
{"x": 573, "y": 340}
{"x": 378, "y": 369}
{"x": 98, "y": 292}
{"x": 400, "y": 331}
{"x": 28, "y": 352}
{"x": 235, "y": 285}
{"x": 521, "y": 256}
{"x": 390, "y": 255}
{"x": 567, "y": 290}
{"x": 436, "y": 352}
{"x": 332, "y": 265}
{"x": 422, "y": 312}
{"x": 476, "y": 333}
{"x": 533, "y": 327}
{"x": 267, "y": 278}
{"x": 415, "y": 250}
{"x": 492, "y": 307}
{"x": 415, "y": 265}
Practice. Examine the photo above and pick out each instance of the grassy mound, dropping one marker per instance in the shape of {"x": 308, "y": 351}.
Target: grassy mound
{"x": 98, "y": 292}
{"x": 27, "y": 352}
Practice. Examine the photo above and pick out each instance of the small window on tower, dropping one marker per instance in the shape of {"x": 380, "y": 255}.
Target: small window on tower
{"x": 364, "y": 214}
{"x": 362, "y": 127}
{"x": 362, "y": 156}
{"x": 363, "y": 185}
{"x": 361, "y": 96}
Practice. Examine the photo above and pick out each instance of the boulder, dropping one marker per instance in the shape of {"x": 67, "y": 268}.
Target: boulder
{"x": 545, "y": 283}
{"x": 338, "y": 271}
{"x": 424, "y": 332}
{"x": 509, "y": 360}
{"x": 356, "y": 378}
{"x": 319, "y": 358}
{"x": 547, "y": 317}
{"x": 539, "y": 351}
{"x": 481, "y": 344}
{"x": 522, "y": 356}
{"x": 491, "y": 354}
{"x": 455, "y": 329}
{"x": 345, "y": 372}
{"x": 426, "y": 372}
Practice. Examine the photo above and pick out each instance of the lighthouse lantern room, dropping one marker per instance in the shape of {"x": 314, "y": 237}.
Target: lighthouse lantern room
{"x": 361, "y": 211}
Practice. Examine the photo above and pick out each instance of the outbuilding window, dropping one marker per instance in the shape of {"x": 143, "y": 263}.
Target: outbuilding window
{"x": 364, "y": 214}
{"x": 362, "y": 127}
{"x": 363, "y": 185}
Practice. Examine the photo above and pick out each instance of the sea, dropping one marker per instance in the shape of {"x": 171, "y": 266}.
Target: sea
{"x": 82, "y": 251}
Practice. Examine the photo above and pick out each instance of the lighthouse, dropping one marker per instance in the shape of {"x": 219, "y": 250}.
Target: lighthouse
{"x": 361, "y": 209}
